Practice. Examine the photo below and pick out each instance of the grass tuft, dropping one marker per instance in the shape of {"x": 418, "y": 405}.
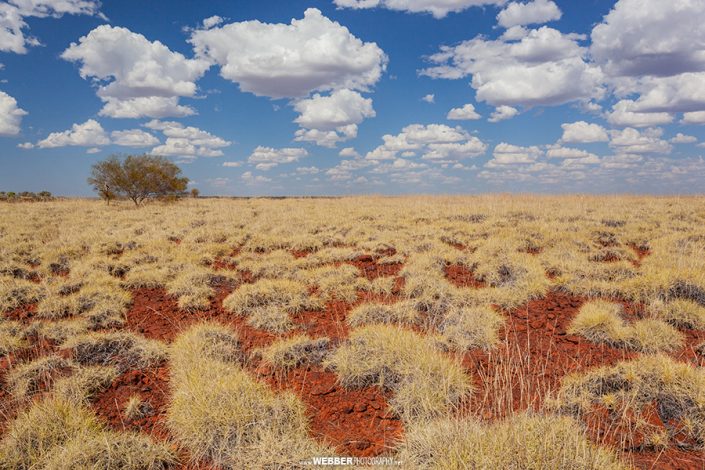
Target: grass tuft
{"x": 523, "y": 441}
{"x": 425, "y": 382}
{"x": 225, "y": 417}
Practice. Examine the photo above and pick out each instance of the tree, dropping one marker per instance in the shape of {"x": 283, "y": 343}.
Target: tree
{"x": 195, "y": 193}
{"x": 137, "y": 177}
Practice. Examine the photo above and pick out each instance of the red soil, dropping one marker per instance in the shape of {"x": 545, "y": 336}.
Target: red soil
{"x": 641, "y": 253}
{"x": 22, "y": 314}
{"x": 356, "y": 422}
{"x": 367, "y": 264}
{"x": 460, "y": 276}
{"x": 151, "y": 385}
{"x": 537, "y": 352}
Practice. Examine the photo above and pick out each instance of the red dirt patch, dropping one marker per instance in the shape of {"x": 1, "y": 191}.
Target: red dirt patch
{"x": 536, "y": 352}
{"x": 460, "y": 276}
{"x": 356, "y": 422}
{"x": 641, "y": 253}
{"x": 22, "y": 314}
{"x": 151, "y": 385}
{"x": 367, "y": 264}
{"x": 300, "y": 253}
{"x": 156, "y": 315}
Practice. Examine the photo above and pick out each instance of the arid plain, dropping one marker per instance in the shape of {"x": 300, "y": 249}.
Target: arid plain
{"x": 445, "y": 332}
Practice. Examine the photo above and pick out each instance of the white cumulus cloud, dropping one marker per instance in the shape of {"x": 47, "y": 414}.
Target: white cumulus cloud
{"x": 327, "y": 120}
{"x": 250, "y": 179}
{"x": 13, "y": 13}
{"x": 638, "y": 38}
{"x": 291, "y": 60}
{"x": 436, "y": 142}
{"x": 265, "y": 158}
{"x": 582, "y": 132}
{"x": 681, "y": 138}
{"x": 466, "y": 113}
{"x": 10, "y": 115}
{"x": 697, "y": 117}
{"x": 502, "y": 113}
{"x": 542, "y": 67}
{"x": 508, "y": 154}
{"x": 534, "y": 12}
{"x": 632, "y": 141}
{"x": 133, "y": 138}
{"x": 186, "y": 141}
{"x": 88, "y": 134}
{"x": 655, "y": 68}
{"x": 137, "y": 77}
{"x": 624, "y": 114}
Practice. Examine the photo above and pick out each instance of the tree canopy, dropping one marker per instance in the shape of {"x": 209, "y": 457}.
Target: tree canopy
{"x": 137, "y": 177}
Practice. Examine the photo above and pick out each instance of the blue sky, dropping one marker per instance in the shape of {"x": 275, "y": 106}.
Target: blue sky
{"x": 357, "y": 96}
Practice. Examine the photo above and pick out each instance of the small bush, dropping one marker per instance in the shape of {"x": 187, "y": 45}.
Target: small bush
{"x": 679, "y": 313}
{"x": 85, "y": 383}
{"x": 425, "y": 383}
{"x": 126, "y": 350}
{"x": 225, "y": 417}
{"x": 289, "y": 353}
{"x": 39, "y": 375}
{"x": 59, "y": 434}
{"x": 523, "y": 441}
{"x": 402, "y": 313}
{"x": 268, "y": 303}
{"x": 471, "y": 327}
{"x": 601, "y": 322}
{"x": 631, "y": 389}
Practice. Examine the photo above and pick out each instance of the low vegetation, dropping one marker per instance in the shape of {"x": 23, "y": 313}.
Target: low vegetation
{"x": 601, "y": 321}
{"x": 424, "y": 382}
{"x": 223, "y": 415}
{"x": 641, "y": 395}
{"x": 55, "y": 433}
{"x": 446, "y": 332}
{"x": 525, "y": 441}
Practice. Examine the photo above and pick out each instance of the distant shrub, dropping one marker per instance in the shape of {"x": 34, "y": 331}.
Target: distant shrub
{"x": 137, "y": 177}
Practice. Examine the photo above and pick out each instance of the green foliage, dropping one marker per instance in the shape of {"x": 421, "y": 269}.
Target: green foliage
{"x": 137, "y": 177}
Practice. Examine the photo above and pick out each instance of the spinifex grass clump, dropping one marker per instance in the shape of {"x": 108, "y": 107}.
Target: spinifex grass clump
{"x": 425, "y": 382}
{"x": 59, "y": 434}
{"x": 288, "y": 353}
{"x": 523, "y": 441}
{"x": 269, "y": 303}
{"x": 631, "y": 391}
{"x": 601, "y": 321}
{"x": 225, "y": 417}
{"x": 122, "y": 349}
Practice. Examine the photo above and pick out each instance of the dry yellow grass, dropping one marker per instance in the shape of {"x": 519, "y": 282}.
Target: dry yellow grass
{"x": 425, "y": 383}
{"x": 628, "y": 389}
{"x": 59, "y": 434}
{"x": 222, "y": 415}
{"x": 524, "y": 441}
{"x": 601, "y": 321}
{"x": 288, "y": 353}
{"x": 122, "y": 349}
{"x": 269, "y": 303}
{"x": 74, "y": 264}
